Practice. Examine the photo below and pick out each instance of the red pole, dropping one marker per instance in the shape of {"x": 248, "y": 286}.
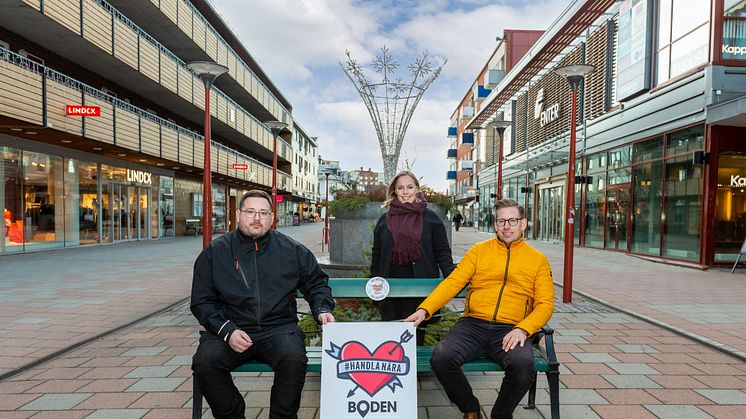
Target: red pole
{"x": 570, "y": 210}
{"x": 274, "y": 184}
{"x": 207, "y": 179}
{"x": 500, "y": 168}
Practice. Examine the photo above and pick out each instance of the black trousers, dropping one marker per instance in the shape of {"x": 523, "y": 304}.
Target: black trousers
{"x": 470, "y": 339}
{"x": 281, "y": 347}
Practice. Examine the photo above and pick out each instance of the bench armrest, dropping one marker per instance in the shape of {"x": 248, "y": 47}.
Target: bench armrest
{"x": 547, "y": 333}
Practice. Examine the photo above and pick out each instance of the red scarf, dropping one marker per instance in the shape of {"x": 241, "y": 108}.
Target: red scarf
{"x": 404, "y": 221}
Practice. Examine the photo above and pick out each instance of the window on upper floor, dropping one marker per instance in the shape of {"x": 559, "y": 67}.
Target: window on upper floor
{"x": 734, "y": 24}
{"x": 683, "y": 37}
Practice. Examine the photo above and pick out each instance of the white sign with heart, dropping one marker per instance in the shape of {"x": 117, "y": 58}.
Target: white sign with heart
{"x": 369, "y": 370}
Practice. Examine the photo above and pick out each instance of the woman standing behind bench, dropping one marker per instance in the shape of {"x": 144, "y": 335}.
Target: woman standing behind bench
{"x": 409, "y": 241}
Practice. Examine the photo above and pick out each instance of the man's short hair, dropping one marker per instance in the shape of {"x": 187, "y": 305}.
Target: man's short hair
{"x": 255, "y": 193}
{"x": 509, "y": 203}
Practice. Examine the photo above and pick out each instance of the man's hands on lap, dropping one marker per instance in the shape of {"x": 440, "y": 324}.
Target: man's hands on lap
{"x": 239, "y": 341}
{"x": 513, "y": 338}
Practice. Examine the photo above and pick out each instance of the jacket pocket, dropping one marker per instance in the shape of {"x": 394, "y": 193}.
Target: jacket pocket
{"x": 525, "y": 310}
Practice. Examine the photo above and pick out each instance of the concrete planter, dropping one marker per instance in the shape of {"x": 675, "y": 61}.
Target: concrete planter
{"x": 351, "y": 234}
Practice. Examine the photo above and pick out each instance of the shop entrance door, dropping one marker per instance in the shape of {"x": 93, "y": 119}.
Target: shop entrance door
{"x": 617, "y": 217}
{"x": 550, "y": 214}
{"x": 143, "y": 216}
{"x": 120, "y": 204}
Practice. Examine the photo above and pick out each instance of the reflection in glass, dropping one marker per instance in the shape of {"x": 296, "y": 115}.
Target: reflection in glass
{"x": 43, "y": 194}
{"x": 690, "y": 51}
{"x": 685, "y": 141}
{"x": 167, "y": 206}
{"x": 83, "y": 203}
{"x": 648, "y": 150}
{"x": 646, "y": 210}
{"x": 683, "y": 209}
{"x": 11, "y": 200}
{"x": 730, "y": 207}
{"x": 595, "y": 210}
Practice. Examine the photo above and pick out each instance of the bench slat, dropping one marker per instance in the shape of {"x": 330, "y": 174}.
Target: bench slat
{"x": 423, "y": 362}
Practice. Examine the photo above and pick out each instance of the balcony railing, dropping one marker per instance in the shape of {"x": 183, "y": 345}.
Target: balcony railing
{"x": 37, "y": 94}
{"x": 111, "y": 31}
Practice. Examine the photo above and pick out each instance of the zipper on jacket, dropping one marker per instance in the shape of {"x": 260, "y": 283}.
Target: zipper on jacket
{"x": 258, "y": 291}
{"x": 245, "y": 282}
{"x": 525, "y": 310}
{"x": 505, "y": 281}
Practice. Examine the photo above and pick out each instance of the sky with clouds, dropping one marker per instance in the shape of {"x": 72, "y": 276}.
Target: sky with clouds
{"x": 300, "y": 43}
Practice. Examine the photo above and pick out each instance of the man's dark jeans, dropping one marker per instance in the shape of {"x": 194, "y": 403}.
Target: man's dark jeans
{"x": 470, "y": 339}
{"x": 281, "y": 347}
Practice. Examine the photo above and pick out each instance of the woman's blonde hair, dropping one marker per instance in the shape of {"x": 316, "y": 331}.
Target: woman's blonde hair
{"x": 391, "y": 190}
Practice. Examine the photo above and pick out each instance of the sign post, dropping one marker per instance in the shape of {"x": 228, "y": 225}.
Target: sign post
{"x": 371, "y": 375}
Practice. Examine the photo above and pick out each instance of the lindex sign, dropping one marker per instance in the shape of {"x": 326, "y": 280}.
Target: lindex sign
{"x": 240, "y": 166}
{"x": 80, "y": 110}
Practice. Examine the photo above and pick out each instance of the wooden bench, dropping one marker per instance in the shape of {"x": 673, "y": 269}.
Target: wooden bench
{"x": 193, "y": 224}
{"x": 545, "y": 358}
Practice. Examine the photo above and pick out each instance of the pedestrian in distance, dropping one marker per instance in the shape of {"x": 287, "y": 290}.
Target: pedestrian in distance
{"x": 510, "y": 297}
{"x": 243, "y": 294}
{"x": 457, "y": 220}
{"x": 409, "y": 241}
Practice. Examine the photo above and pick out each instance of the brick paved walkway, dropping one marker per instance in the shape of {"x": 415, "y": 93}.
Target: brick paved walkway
{"x": 614, "y": 365}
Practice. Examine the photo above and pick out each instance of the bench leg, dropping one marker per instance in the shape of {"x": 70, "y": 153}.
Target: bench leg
{"x": 532, "y": 395}
{"x": 196, "y": 399}
{"x": 553, "y": 379}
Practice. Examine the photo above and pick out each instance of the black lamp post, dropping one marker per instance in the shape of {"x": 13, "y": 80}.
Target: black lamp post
{"x": 276, "y": 127}
{"x": 207, "y": 71}
{"x": 499, "y": 127}
{"x": 574, "y": 74}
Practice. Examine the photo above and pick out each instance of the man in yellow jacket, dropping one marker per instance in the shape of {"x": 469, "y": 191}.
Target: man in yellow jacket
{"x": 510, "y": 297}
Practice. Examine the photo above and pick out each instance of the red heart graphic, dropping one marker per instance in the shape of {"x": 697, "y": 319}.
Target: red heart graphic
{"x": 372, "y": 382}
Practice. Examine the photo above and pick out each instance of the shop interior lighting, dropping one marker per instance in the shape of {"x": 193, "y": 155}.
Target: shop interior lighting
{"x": 16, "y": 129}
{"x": 31, "y": 132}
{"x": 97, "y": 148}
{"x": 142, "y": 160}
{"x": 122, "y": 154}
{"x": 66, "y": 141}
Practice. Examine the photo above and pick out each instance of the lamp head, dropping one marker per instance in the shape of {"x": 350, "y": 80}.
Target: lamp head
{"x": 275, "y": 126}
{"x": 207, "y": 71}
{"x": 574, "y": 73}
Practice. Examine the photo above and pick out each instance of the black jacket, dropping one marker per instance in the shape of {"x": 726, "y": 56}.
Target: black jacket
{"x": 251, "y": 284}
{"x": 435, "y": 251}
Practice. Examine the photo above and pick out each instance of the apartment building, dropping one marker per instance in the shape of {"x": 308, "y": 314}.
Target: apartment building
{"x": 129, "y": 166}
{"x": 472, "y": 150}
{"x": 305, "y": 174}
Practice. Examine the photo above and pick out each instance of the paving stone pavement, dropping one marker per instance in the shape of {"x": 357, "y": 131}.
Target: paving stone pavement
{"x": 614, "y": 365}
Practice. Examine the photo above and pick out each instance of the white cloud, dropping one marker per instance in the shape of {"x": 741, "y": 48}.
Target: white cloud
{"x": 299, "y": 43}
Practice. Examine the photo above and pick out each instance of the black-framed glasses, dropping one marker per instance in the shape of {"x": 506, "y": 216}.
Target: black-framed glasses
{"x": 511, "y": 221}
{"x": 252, "y": 213}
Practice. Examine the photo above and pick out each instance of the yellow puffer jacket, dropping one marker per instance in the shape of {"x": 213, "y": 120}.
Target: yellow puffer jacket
{"x": 507, "y": 284}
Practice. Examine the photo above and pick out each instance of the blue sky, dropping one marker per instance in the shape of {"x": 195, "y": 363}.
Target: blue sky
{"x": 300, "y": 43}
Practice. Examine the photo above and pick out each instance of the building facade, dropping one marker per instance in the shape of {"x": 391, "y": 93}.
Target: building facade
{"x": 305, "y": 175}
{"x": 472, "y": 152}
{"x": 101, "y": 122}
{"x": 659, "y": 121}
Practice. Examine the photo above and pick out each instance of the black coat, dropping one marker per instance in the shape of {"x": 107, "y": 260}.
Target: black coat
{"x": 435, "y": 256}
{"x": 251, "y": 284}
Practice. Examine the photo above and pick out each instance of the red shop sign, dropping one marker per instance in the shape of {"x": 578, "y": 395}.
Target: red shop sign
{"x": 79, "y": 110}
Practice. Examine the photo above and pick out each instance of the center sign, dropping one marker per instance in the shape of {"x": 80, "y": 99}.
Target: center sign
{"x": 548, "y": 115}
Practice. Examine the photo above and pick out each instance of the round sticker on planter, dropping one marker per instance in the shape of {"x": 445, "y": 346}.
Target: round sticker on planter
{"x": 377, "y": 288}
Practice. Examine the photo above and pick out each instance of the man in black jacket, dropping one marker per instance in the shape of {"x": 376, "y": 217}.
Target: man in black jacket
{"x": 243, "y": 294}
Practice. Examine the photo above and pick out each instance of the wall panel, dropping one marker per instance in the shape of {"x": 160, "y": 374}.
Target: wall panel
{"x": 169, "y": 143}
{"x": 58, "y": 96}
{"x": 185, "y": 18}
{"x": 185, "y": 83}
{"x": 149, "y": 59}
{"x": 168, "y": 8}
{"x": 168, "y": 72}
{"x": 186, "y": 149}
{"x": 20, "y": 97}
{"x": 125, "y": 44}
{"x": 97, "y": 25}
{"x": 100, "y": 128}
{"x": 66, "y": 12}
{"x": 127, "y": 129}
{"x": 150, "y": 137}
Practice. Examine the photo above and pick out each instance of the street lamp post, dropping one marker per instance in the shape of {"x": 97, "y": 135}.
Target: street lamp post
{"x": 499, "y": 127}
{"x": 325, "y": 234}
{"x": 207, "y": 71}
{"x": 574, "y": 74}
{"x": 275, "y": 127}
